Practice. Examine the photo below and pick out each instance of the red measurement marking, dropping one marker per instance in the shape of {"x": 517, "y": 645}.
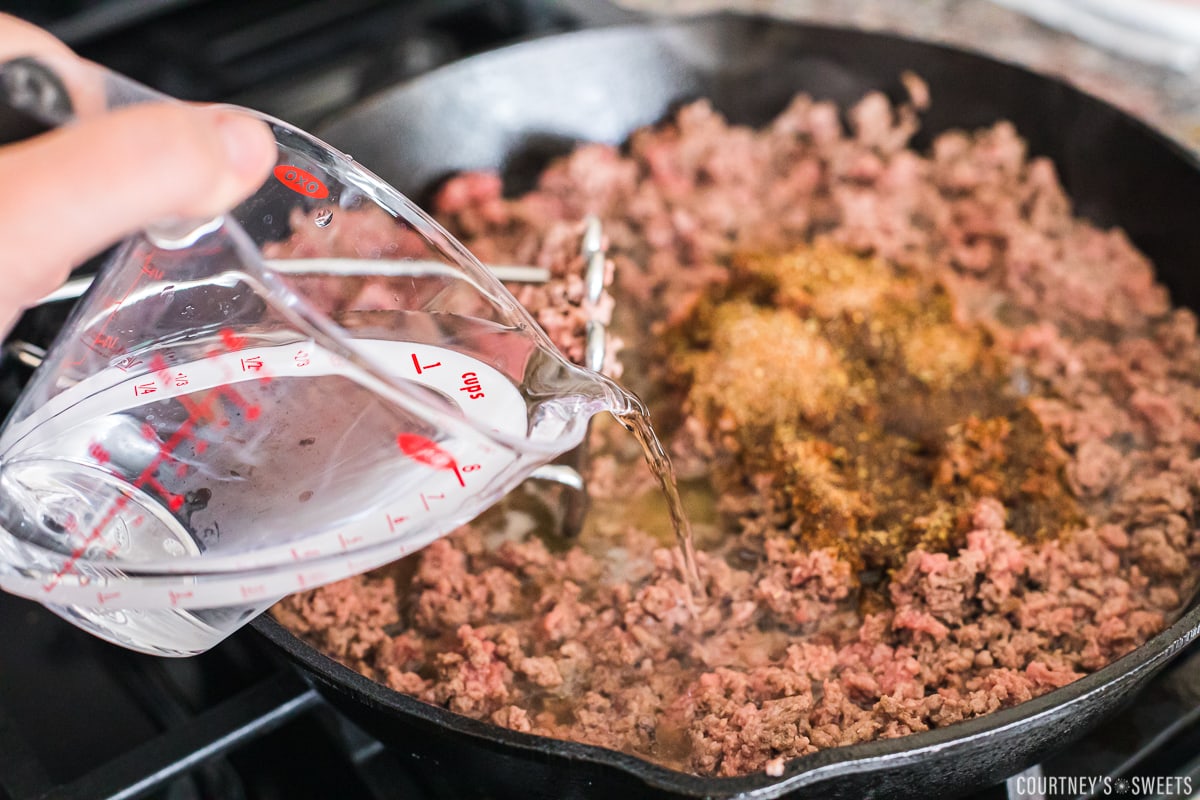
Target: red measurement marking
{"x": 99, "y": 348}
{"x": 252, "y": 364}
{"x": 418, "y": 448}
{"x": 232, "y": 340}
{"x": 174, "y": 501}
{"x": 252, "y": 591}
{"x": 143, "y": 389}
{"x": 104, "y": 597}
{"x": 353, "y": 540}
{"x": 301, "y": 358}
{"x": 175, "y": 597}
{"x": 393, "y": 522}
{"x": 106, "y": 344}
{"x": 300, "y": 555}
{"x": 97, "y": 451}
{"x": 197, "y": 413}
{"x": 299, "y": 180}
{"x": 420, "y": 369}
{"x": 425, "y": 498}
{"x": 311, "y": 578}
{"x": 161, "y": 365}
{"x": 203, "y": 411}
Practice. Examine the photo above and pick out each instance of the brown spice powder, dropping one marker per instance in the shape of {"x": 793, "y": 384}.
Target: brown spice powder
{"x": 881, "y": 418}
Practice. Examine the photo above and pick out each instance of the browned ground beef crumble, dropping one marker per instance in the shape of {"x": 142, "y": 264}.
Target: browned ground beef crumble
{"x": 804, "y": 645}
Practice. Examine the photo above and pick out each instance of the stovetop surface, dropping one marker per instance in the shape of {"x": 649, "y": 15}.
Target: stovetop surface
{"x": 80, "y": 718}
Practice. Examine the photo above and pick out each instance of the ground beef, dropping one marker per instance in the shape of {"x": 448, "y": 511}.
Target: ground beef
{"x": 799, "y": 646}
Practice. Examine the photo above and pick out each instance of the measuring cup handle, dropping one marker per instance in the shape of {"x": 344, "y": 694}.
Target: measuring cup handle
{"x": 56, "y": 89}
{"x": 29, "y": 86}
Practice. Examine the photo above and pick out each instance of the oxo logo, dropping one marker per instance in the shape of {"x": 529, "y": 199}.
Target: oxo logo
{"x": 300, "y": 181}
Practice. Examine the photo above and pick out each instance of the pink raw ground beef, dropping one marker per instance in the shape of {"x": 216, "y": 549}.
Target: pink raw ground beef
{"x": 595, "y": 642}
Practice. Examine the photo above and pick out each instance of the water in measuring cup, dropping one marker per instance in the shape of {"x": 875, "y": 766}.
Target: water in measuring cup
{"x": 269, "y": 447}
{"x": 226, "y": 467}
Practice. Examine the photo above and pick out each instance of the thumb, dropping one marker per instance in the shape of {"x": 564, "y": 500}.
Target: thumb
{"x": 68, "y": 194}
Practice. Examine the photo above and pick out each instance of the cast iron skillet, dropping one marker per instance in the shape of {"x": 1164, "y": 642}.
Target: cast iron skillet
{"x": 513, "y": 109}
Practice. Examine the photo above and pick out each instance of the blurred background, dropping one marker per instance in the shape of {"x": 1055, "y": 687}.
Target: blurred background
{"x": 305, "y": 59}
{"x": 1141, "y": 55}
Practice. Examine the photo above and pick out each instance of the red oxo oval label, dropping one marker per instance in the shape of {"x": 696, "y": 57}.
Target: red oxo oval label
{"x": 300, "y": 181}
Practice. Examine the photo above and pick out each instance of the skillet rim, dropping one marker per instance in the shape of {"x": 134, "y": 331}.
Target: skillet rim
{"x": 826, "y": 764}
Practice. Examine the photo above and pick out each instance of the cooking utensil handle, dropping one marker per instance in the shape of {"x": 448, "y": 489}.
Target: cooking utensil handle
{"x": 57, "y": 90}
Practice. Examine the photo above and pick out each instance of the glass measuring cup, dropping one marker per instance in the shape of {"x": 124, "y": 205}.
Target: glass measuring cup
{"x": 208, "y": 435}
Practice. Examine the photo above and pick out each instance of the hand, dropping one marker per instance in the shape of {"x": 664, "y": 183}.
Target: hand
{"x": 68, "y": 194}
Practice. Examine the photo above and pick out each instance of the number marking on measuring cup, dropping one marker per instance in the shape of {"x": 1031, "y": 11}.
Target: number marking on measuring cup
{"x": 421, "y": 368}
{"x": 299, "y": 180}
{"x": 175, "y": 597}
{"x": 108, "y": 345}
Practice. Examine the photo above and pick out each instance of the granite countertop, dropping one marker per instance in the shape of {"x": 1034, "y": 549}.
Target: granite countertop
{"x": 1166, "y": 98}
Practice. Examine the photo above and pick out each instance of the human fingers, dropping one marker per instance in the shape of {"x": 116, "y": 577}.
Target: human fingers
{"x": 21, "y": 38}
{"x": 83, "y": 81}
{"x": 73, "y": 191}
